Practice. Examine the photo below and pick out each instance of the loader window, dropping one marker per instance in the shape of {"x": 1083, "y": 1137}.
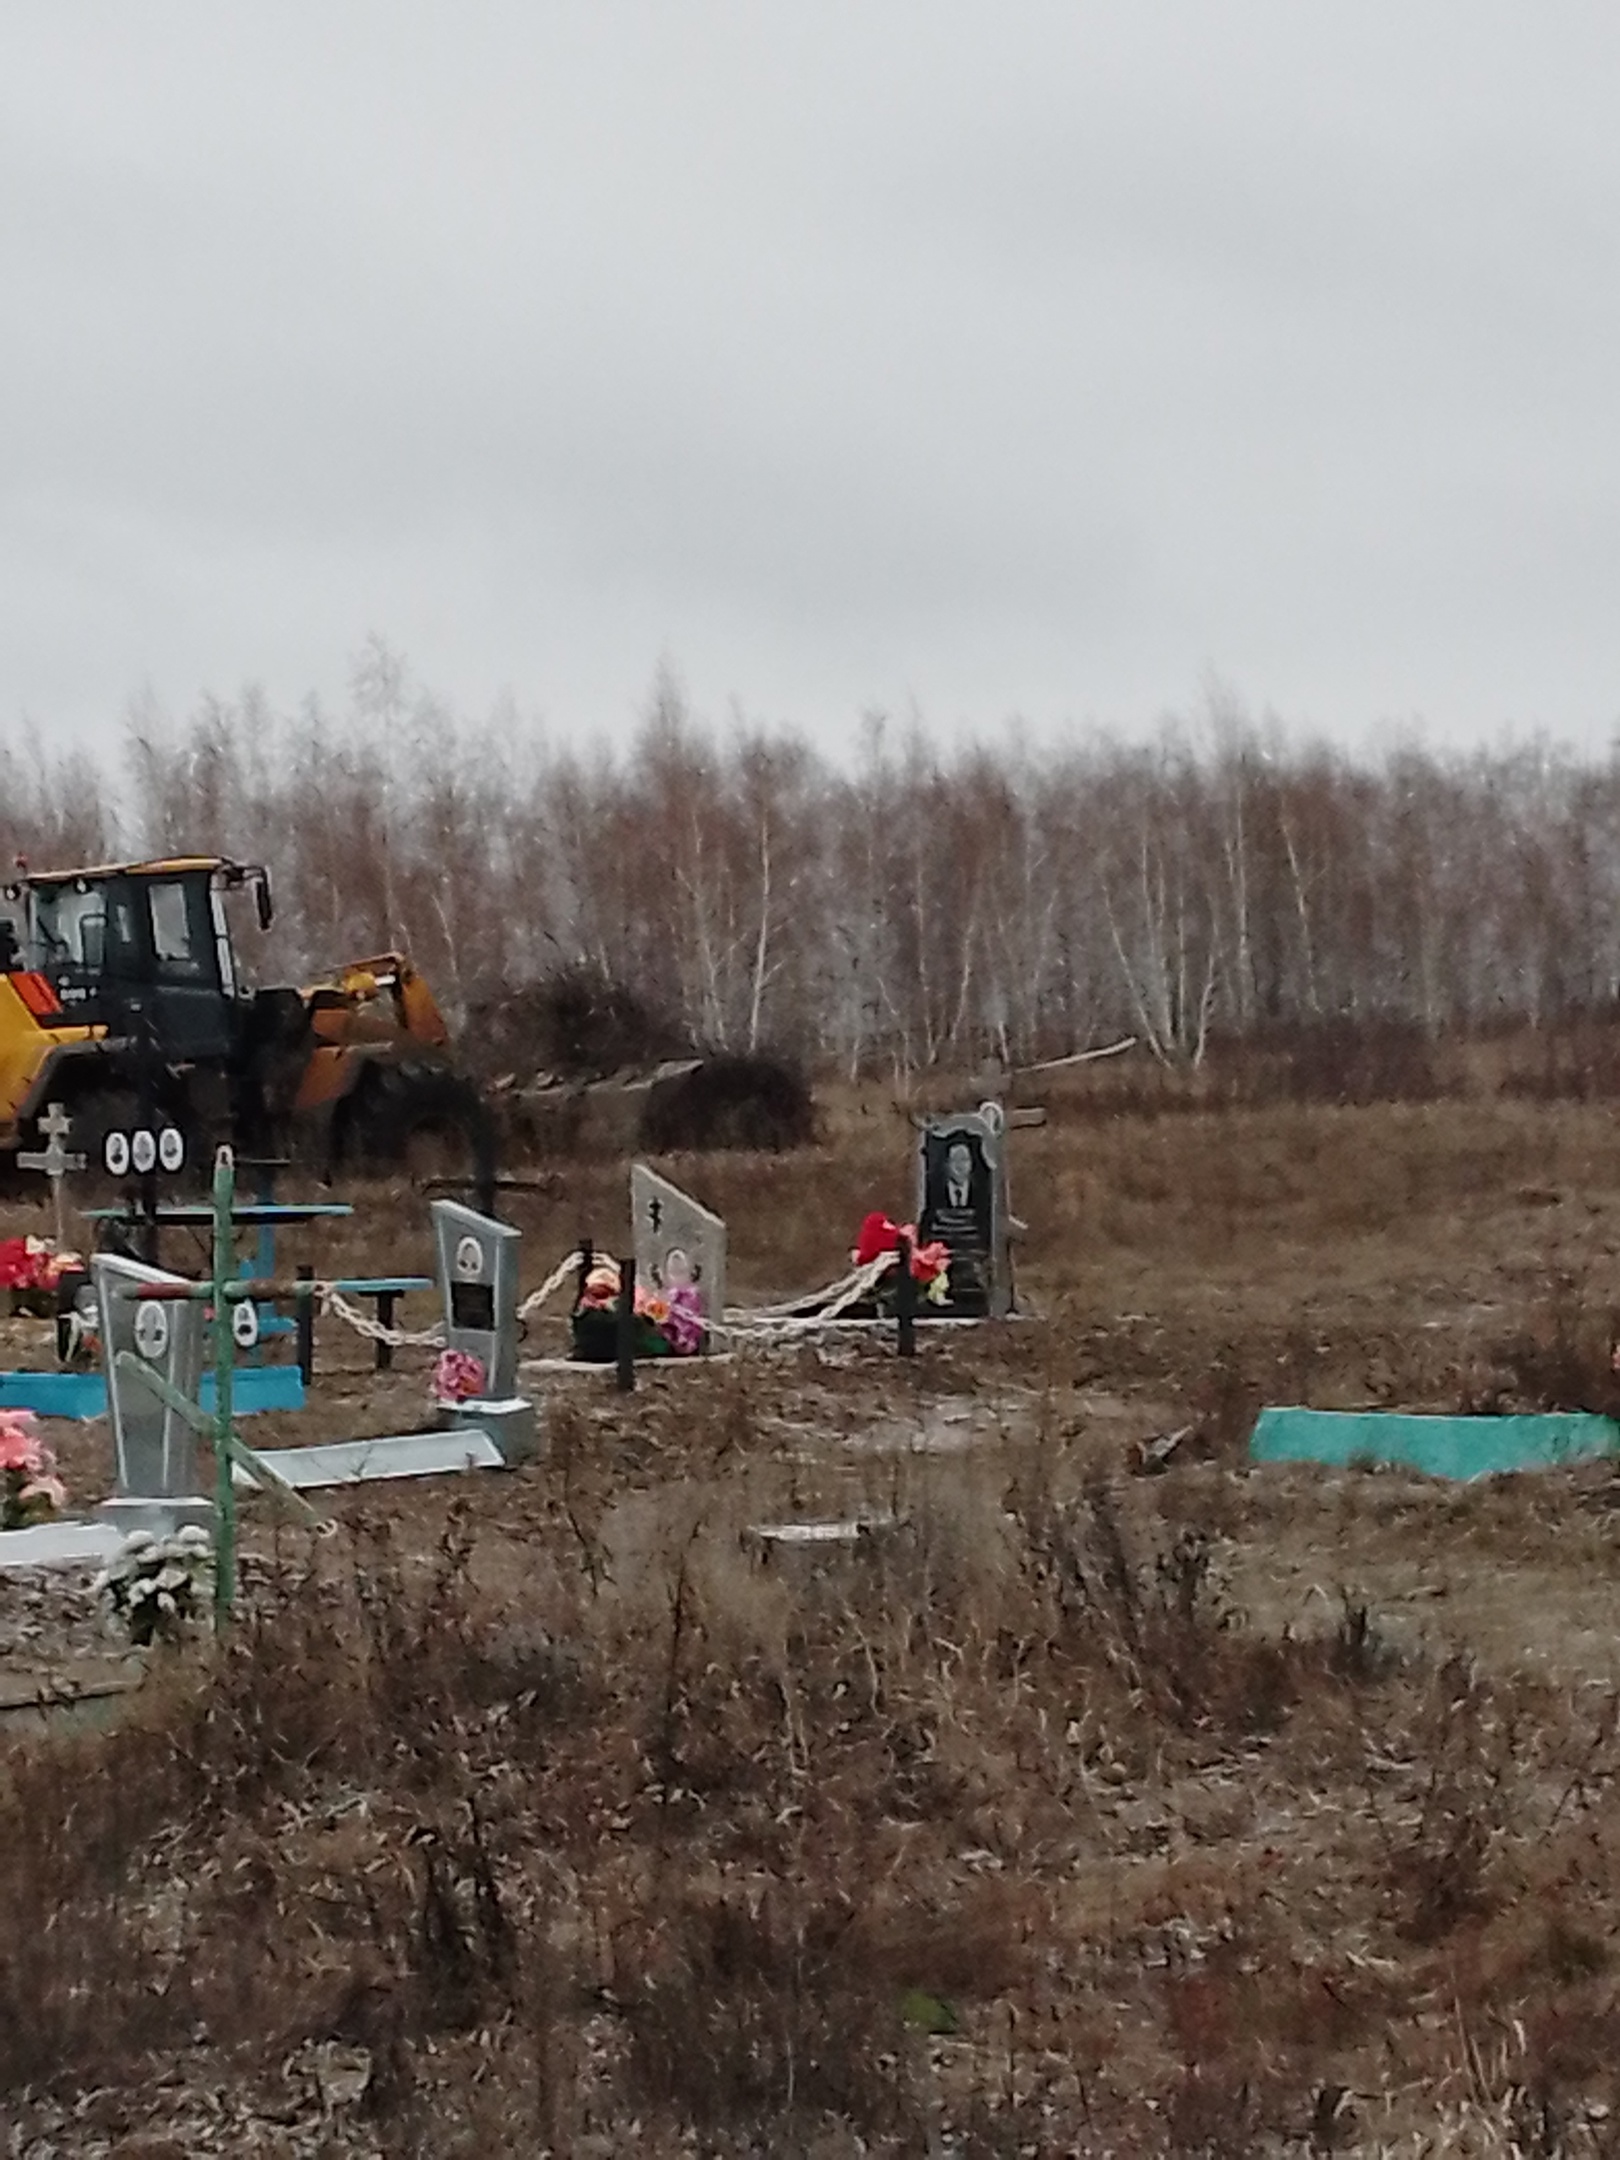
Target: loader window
{"x": 72, "y": 927}
{"x": 82, "y": 936}
{"x": 182, "y": 931}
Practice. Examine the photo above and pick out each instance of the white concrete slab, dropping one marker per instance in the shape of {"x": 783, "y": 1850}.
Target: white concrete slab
{"x": 850, "y": 1532}
{"x": 60, "y": 1544}
{"x": 643, "y": 1365}
{"x": 359, "y": 1462}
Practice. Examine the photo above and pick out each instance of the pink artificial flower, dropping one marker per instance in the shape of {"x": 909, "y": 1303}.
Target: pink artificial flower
{"x": 20, "y": 1447}
{"x": 685, "y": 1328}
{"x": 49, "y": 1489}
{"x": 458, "y": 1377}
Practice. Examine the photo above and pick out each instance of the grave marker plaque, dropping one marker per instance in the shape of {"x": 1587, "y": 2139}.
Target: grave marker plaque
{"x": 477, "y": 1266}
{"x": 154, "y": 1448}
{"x": 678, "y": 1241}
{"x": 962, "y": 1202}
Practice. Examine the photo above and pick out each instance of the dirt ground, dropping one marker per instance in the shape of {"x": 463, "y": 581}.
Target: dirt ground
{"x": 1189, "y": 1806}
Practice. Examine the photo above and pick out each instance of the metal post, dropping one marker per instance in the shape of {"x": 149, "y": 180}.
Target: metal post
{"x": 484, "y": 1173}
{"x": 224, "y": 1380}
{"x": 627, "y": 1327}
{"x": 384, "y": 1358}
{"x": 146, "y": 1221}
{"x": 304, "y": 1319}
{"x": 905, "y": 1303}
{"x": 264, "y": 1259}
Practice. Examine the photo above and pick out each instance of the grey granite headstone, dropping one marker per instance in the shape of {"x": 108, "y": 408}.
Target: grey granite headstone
{"x": 154, "y": 1449}
{"x": 677, "y": 1240}
{"x": 477, "y": 1266}
{"x": 962, "y": 1202}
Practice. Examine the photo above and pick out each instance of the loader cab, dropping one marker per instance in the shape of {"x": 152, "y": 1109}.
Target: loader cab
{"x": 143, "y": 950}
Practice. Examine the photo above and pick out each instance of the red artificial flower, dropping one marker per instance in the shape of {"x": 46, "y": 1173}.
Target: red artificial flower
{"x": 28, "y": 1263}
{"x": 878, "y": 1235}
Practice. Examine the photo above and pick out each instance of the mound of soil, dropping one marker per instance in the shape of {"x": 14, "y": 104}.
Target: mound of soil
{"x": 733, "y": 1102}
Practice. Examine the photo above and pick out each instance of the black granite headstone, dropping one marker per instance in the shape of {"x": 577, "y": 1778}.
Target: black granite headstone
{"x": 962, "y": 1204}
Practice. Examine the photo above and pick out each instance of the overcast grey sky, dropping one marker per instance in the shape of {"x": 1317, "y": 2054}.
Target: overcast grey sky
{"x": 1000, "y": 358}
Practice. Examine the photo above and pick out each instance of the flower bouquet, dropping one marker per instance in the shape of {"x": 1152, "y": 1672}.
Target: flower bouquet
{"x": 930, "y": 1263}
{"x": 458, "y": 1377}
{"x": 155, "y": 1587}
{"x": 30, "y": 1490}
{"x": 31, "y": 1268}
{"x": 668, "y": 1323}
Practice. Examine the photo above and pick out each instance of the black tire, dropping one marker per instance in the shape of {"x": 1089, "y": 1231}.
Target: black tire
{"x": 419, "y": 1120}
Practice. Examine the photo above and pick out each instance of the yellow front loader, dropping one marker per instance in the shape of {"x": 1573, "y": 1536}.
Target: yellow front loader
{"x": 122, "y": 999}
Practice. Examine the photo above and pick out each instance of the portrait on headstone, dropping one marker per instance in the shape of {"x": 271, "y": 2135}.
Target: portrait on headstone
{"x": 957, "y": 1209}
{"x": 961, "y": 1204}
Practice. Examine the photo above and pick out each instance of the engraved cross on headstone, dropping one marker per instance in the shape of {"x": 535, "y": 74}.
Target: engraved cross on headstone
{"x": 55, "y": 1161}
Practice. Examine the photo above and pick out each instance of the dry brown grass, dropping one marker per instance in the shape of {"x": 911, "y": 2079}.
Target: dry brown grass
{"x": 1213, "y": 1812}
{"x": 688, "y": 1845}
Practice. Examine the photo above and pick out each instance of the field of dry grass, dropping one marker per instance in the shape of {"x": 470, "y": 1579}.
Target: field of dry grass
{"x": 1220, "y": 1811}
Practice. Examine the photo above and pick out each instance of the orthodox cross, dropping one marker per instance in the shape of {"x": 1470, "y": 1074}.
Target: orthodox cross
{"x": 55, "y": 1161}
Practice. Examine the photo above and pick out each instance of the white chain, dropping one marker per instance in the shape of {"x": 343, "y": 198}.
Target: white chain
{"x": 566, "y": 1266}
{"x": 831, "y": 1303}
{"x": 334, "y": 1302}
{"x": 801, "y": 1315}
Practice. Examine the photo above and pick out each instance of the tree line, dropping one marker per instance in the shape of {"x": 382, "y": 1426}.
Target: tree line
{"x": 911, "y": 907}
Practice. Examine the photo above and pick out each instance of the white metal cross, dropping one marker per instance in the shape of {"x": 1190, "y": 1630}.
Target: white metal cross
{"x": 55, "y": 1161}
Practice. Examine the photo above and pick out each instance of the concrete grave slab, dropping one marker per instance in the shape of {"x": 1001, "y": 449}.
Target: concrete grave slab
{"x": 360, "y": 1462}
{"x": 60, "y": 1544}
{"x": 511, "y": 1425}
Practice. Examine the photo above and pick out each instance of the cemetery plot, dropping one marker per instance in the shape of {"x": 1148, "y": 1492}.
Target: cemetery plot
{"x": 1030, "y": 1723}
